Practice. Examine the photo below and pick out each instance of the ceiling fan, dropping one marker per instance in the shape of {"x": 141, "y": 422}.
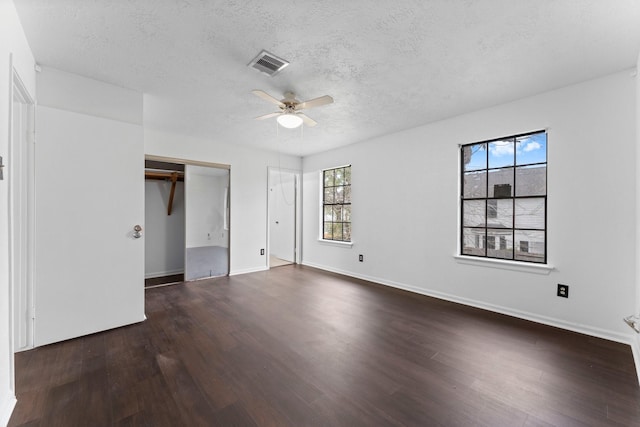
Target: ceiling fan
{"x": 289, "y": 115}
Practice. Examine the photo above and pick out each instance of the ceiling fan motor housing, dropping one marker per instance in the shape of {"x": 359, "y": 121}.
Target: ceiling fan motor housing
{"x": 289, "y": 107}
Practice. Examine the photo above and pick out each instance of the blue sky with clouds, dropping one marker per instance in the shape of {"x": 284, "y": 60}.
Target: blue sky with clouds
{"x": 528, "y": 149}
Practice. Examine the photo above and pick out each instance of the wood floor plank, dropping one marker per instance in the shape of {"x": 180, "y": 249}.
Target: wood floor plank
{"x": 296, "y": 346}
{"x": 191, "y": 402}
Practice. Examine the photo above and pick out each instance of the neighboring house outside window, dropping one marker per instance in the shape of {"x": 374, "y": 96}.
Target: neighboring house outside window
{"x": 504, "y": 198}
{"x": 336, "y": 204}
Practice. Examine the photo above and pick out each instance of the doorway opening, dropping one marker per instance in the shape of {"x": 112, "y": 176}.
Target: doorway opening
{"x": 284, "y": 221}
{"x": 164, "y": 223}
{"x": 187, "y": 221}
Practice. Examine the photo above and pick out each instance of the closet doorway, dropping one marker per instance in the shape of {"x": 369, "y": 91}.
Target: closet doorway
{"x": 187, "y": 225}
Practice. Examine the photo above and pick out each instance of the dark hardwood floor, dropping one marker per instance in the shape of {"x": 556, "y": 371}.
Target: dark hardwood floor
{"x": 295, "y": 346}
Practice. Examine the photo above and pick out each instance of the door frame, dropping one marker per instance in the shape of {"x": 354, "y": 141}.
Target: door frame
{"x": 21, "y": 176}
{"x": 297, "y": 258}
{"x": 205, "y": 164}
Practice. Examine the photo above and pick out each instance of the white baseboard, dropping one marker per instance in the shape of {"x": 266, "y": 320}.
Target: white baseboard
{"x": 163, "y": 273}
{"x": 558, "y": 323}
{"x": 247, "y": 270}
{"x": 6, "y": 408}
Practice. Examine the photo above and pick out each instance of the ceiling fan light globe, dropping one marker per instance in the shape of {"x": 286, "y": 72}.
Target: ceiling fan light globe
{"x": 289, "y": 121}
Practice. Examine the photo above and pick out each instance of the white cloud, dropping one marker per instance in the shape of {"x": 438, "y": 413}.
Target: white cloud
{"x": 498, "y": 150}
{"x": 531, "y": 146}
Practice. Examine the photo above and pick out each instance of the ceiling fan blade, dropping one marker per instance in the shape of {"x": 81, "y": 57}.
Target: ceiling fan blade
{"x": 267, "y": 97}
{"x": 268, "y": 116}
{"x": 323, "y": 100}
{"x": 307, "y": 120}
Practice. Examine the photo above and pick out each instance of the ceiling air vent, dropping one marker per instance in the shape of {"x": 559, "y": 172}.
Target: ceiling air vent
{"x": 268, "y": 63}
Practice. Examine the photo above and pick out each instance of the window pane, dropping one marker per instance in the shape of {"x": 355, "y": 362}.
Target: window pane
{"x": 531, "y": 149}
{"x": 502, "y": 246}
{"x": 503, "y": 211}
{"x": 339, "y": 198}
{"x": 501, "y": 153}
{"x": 328, "y": 195}
{"x": 337, "y": 213}
{"x": 473, "y": 241}
{"x": 474, "y": 185}
{"x": 328, "y": 213}
{"x": 347, "y": 175}
{"x": 501, "y": 183}
{"x": 346, "y": 213}
{"x": 473, "y": 212}
{"x": 338, "y": 177}
{"x": 474, "y": 157}
{"x": 531, "y": 180}
{"x": 530, "y": 213}
{"x": 346, "y": 231}
{"x": 347, "y": 193}
{"x": 328, "y": 178}
{"x": 492, "y": 208}
{"x": 530, "y": 246}
{"x": 337, "y": 231}
{"x": 327, "y": 234}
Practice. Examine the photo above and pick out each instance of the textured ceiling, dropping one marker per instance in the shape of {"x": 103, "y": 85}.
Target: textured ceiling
{"x": 389, "y": 65}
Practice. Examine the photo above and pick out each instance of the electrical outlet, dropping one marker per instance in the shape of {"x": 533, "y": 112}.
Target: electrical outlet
{"x": 261, "y": 251}
{"x": 361, "y": 258}
{"x": 563, "y": 290}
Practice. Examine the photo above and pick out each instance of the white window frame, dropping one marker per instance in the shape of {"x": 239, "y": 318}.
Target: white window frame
{"x": 502, "y": 264}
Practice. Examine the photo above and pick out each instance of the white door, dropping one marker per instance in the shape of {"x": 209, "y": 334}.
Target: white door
{"x": 282, "y": 214}
{"x": 206, "y": 222}
{"x": 89, "y": 196}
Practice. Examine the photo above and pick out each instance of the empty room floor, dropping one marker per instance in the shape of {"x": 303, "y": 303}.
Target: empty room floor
{"x": 296, "y": 346}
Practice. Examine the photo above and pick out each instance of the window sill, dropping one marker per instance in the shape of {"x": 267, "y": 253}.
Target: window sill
{"x": 525, "y": 267}
{"x": 336, "y": 243}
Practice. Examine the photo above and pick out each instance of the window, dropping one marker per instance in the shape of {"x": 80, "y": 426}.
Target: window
{"x": 504, "y": 198}
{"x": 336, "y": 204}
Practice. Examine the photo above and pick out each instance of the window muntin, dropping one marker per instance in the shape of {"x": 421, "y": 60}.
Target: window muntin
{"x": 336, "y": 204}
{"x": 504, "y": 198}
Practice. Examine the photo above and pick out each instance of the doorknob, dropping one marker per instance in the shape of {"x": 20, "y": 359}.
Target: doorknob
{"x": 137, "y": 231}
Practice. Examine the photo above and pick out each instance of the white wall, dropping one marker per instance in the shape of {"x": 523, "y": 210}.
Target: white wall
{"x": 164, "y": 234}
{"x": 405, "y": 209}
{"x": 88, "y": 96}
{"x": 12, "y": 42}
{"x": 248, "y": 182}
